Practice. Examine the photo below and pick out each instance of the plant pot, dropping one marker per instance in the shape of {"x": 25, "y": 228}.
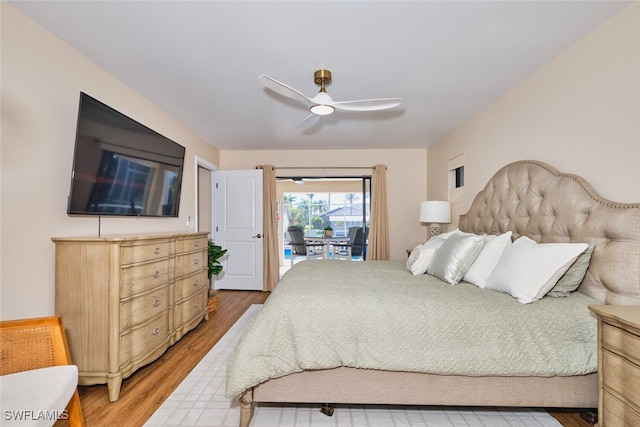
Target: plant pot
{"x": 213, "y": 303}
{"x": 328, "y": 233}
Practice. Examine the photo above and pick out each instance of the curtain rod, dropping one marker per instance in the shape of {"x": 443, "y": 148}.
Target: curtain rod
{"x": 321, "y": 167}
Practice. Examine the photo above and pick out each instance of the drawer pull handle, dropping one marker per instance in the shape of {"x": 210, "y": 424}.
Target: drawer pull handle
{"x": 157, "y": 251}
{"x": 196, "y": 305}
{"x": 156, "y": 302}
{"x": 197, "y": 243}
{"x": 156, "y": 274}
{"x": 156, "y": 331}
{"x": 196, "y": 283}
{"x": 196, "y": 261}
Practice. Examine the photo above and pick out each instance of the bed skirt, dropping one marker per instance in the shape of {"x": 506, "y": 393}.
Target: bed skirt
{"x": 363, "y": 386}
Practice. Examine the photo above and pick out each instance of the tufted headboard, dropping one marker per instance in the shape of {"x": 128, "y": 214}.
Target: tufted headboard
{"x": 533, "y": 199}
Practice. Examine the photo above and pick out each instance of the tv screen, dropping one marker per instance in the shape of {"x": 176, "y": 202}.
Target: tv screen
{"x": 121, "y": 167}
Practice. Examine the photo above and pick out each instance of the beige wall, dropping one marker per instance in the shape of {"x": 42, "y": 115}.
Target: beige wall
{"x": 41, "y": 81}
{"x": 579, "y": 113}
{"x": 406, "y": 181}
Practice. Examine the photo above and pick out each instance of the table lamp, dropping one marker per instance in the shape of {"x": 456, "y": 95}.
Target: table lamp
{"x": 435, "y": 212}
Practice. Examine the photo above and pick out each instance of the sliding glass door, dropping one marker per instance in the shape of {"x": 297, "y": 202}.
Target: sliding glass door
{"x": 319, "y": 203}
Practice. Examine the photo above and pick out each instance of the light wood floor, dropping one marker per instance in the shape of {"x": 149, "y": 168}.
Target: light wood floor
{"x": 146, "y": 389}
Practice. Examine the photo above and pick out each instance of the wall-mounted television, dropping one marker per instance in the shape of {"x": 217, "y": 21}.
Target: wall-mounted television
{"x": 121, "y": 167}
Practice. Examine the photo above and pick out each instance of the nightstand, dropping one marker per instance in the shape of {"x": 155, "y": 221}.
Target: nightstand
{"x": 618, "y": 365}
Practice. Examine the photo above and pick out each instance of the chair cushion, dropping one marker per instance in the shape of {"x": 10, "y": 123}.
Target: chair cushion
{"x": 44, "y": 392}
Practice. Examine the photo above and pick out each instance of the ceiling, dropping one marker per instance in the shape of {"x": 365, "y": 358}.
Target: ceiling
{"x": 199, "y": 60}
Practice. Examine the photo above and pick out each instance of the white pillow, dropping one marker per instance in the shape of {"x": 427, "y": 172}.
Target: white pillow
{"x": 454, "y": 257}
{"x": 487, "y": 260}
{"x": 438, "y": 240}
{"x": 421, "y": 255}
{"x": 528, "y": 270}
{"x": 419, "y": 259}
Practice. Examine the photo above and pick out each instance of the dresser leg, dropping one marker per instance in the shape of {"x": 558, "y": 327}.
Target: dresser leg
{"x": 113, "y": 385}
{"x": 590, "y": 415}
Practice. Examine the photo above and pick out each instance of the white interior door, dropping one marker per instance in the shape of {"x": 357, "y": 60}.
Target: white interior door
{"x": 238, "y": 229}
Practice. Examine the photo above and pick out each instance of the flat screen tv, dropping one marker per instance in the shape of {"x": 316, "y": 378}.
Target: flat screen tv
{"x": 121, "y": 167}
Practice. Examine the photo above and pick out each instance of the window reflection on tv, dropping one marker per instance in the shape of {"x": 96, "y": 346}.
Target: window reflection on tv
{"x": 121, "y": 167}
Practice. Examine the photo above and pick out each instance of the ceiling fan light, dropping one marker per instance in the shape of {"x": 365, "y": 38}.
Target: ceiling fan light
{"x": 322, "y": 109}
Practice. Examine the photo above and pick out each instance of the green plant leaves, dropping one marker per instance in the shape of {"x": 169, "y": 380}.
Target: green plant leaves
{"x": 215, "y": 253}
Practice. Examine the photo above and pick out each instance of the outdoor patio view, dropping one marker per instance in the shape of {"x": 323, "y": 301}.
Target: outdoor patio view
{"x": 335, "y": 212}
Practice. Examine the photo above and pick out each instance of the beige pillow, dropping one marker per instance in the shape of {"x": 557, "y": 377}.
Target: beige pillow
{"x": 454, "y": 257}
{"x": 571, "y": 280}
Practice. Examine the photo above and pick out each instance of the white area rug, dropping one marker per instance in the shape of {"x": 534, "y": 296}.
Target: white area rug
{"x": 199, "y": 401}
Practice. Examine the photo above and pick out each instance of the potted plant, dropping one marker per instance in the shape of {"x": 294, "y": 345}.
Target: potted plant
{"x": 215, "y": 252}
{"x": 328, "y": 231}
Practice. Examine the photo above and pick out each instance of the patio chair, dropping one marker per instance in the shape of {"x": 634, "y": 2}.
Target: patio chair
{"x": 303, "y": 248}
{"x": 355, "y": 246}
{"x": 36, "y": 372}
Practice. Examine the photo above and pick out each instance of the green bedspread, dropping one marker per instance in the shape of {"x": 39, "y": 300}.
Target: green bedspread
{"x": 376, "y": 315}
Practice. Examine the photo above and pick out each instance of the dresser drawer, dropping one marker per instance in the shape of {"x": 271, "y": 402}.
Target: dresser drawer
{"x": 139, "y": 341}
{"x": 190, "y": 308}
{"x": 191, "y": 244}
{"x": 145, "y": 251}
{"x": 188, "y": 285}
{"x": 143, "y": 307}
{"x": 621, "y": 376}
{"x": 190, "y": 263}
{"x": 621, "y": 342}
{"x": 143, "y": 277}
{"x": 617, "y": 413}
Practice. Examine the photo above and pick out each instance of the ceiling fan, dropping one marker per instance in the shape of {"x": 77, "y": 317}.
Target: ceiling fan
{"x": 322, "y": 104}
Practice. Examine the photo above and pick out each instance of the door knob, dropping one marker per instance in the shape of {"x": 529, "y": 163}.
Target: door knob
{"x": 257, "y": 235}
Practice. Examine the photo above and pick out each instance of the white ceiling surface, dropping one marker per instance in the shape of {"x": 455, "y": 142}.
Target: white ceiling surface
{"x": 199, "y": 60}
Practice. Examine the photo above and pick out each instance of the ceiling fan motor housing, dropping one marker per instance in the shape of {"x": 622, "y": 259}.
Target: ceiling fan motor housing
{"x": 322, "y": 78}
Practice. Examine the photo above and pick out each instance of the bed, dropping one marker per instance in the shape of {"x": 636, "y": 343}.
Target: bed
{"x": 358, "y": 359}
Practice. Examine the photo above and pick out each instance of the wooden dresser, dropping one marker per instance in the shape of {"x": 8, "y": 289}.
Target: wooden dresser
{"x": 618, "y": 365}
{"x": 126, "y": 299}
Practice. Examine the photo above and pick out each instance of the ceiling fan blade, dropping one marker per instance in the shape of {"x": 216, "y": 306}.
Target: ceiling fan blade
{"x": 310, "y": 121}
{"x": 283, "y": 89}
{"x": 367, "y": 104}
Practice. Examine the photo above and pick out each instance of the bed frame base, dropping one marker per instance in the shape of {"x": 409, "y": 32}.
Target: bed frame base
{"x": 362, "y": 386}
{"x": 246, "y": 407}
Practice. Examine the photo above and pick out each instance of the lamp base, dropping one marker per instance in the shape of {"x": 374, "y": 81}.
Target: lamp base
{"x": 434, "y": 230}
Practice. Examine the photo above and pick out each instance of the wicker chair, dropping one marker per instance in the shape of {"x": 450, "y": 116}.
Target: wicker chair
{"x": 32, "y": 344}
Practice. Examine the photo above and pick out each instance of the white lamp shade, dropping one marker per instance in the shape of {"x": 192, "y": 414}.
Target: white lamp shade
{"x": 435, "y": 211}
